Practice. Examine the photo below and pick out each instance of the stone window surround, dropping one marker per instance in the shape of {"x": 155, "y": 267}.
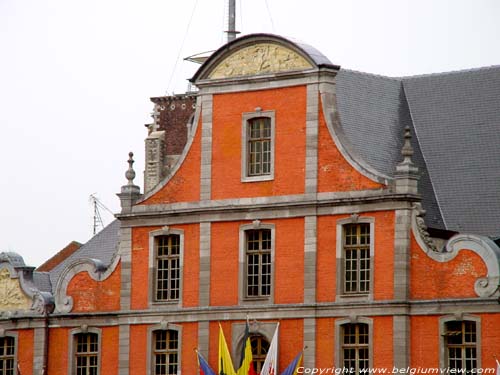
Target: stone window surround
{"x": 165, "y": 231}
{"x": 443, "y": 355}
{"x": 340, "y": 296}
{"x": 246, "y": 117}
{"x": 242, "y": 279}
{"x": 13, "y": 335}
{"x": 72, "y": 347}
{"x": 163, "y": 326}
{"x": 265, "y": 329}
{"x": 338, "y": 338}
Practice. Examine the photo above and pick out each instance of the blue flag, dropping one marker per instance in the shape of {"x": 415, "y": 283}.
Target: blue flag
{"x": 293, "y": 366}
{"x": 204, "y": 366}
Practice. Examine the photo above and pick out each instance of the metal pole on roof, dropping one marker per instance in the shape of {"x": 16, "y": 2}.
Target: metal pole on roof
{"x": 231, "y": 29}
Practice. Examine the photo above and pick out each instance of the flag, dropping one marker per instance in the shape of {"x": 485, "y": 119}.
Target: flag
{"x": 270, "y": 365}
{"x": 205, "y": 369}
{"x": 293, "y": 366}
{"x": 225, "y": 363}
{"x": 246, "y": 360}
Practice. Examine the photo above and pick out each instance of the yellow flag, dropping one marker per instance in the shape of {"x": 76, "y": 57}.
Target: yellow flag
{"x": 225, "y": 363}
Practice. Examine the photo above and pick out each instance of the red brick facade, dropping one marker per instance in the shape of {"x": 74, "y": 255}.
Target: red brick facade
{"x": 318, "y": 188}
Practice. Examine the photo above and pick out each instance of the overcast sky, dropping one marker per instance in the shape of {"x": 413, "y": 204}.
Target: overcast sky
{"x": 76, "y": 77}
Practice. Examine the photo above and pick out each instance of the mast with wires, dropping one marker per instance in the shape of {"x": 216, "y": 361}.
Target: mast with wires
{"x": 97, "y": 205}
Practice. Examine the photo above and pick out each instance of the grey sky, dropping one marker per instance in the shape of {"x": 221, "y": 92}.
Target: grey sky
{"x": 76, "y": 77}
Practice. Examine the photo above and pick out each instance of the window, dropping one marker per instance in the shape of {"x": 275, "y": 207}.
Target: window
{"x": 165, "y": 352}
{"x": 258, "y": 146}
{"x": 167, "y": 249}
{"x": 355, "y": 347}
{"x": 260, "y": 347}
{"x": 461, "y": 345}
{"x": 258, "y": 262}
{"x": 356, "y": 244}
{"x": 86, "y": 353}
{"x": 7, "y": 355}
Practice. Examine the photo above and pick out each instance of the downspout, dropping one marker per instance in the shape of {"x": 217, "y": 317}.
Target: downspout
{"x": 46, "y": 348}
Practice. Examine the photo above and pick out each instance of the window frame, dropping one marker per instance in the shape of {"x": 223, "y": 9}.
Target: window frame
{"x": 153, "y": 271}
{"x": 242, "y": 279}
{"x": 14, "y": 337}
{"x": 245, "y": 139}
{"x": 341, "y": 295}
{"x": 339, "y": 338}
{"x": 163, "y": 326}
{"x": 72, "y": 362}
{"x": 443, "y": 350}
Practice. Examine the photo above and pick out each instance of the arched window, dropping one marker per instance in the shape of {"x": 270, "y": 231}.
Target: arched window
{"x": 260, "y": 347}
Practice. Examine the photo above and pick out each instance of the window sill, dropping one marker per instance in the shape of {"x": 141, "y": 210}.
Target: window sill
{"x": 256, "y": 300}
{"x": 257, "y": 178}
{"x": 354, "y": 297}
{"x": 154, "y": 304}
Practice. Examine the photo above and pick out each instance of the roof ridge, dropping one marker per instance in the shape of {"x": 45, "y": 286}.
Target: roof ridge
{"x": 397, "y": 79}
{"x": 452, "y": 72}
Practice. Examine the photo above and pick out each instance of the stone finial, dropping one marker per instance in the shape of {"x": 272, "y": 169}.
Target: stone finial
{"x": 407, "y": 150}
{"x": 130, "y": 193}
{"x": 130, "y": 174}
{"x": 406, "y": 176}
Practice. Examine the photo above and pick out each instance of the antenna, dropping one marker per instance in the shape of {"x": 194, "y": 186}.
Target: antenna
{"x": 231, "y": 21}
{"x": 97, "y": 218}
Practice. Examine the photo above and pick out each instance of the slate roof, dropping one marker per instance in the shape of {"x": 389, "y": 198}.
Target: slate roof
{"x": 455, "y": 118}
{"x": 102, "y": 247}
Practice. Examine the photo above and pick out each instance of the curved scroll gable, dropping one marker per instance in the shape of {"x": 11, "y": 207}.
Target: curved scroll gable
{"x": 18, "y": 293}
{"x": 96, "y": 269}
{"x": 329, "y": 107}
{"x": 192, "y": 134}
{"x": 484, "y": 247}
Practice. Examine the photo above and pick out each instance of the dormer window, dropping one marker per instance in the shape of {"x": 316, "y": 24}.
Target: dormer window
{"x": 258, "y": 146}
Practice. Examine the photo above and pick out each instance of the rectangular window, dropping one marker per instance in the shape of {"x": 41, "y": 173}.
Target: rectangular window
{"x": 166, "y": 352}
{"x": 7, "y": 355}
{"x": 167, "y": 267}
{"x": 355, "y": 347}
{"x": 356, "y": 248}
{"x": 86, "y": 353}
{"x": 259, "y": 146}
{"x": 461, "y": 341}
{"x": 258, "y": 262}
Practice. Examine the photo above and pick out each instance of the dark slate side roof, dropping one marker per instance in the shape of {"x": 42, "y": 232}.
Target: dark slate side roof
{"x": 102, "y": 247}
{"x": 455, "y": 119}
